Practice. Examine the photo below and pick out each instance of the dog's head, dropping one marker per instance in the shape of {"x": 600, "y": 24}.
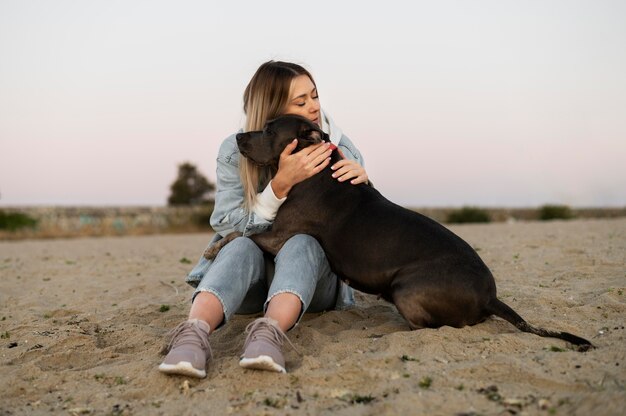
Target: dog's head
{"x": 263, "y": 148}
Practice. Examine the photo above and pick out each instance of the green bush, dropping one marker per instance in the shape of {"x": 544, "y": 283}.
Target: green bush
{"x": 190, "y": 187}
{"x": 555, "y": 212}
{"x": 468, "y": 215}
{"x": 13, "y": 221}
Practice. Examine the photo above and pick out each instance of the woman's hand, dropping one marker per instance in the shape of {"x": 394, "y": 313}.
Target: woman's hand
{"x": 347, "y": 169}
{"x": 296, "y": 167}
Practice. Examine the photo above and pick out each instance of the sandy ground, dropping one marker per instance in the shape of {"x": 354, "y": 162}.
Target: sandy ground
{"x": 83, "y": 322}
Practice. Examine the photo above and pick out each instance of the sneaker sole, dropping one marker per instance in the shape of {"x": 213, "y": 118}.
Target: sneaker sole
{"x": 262, "y": 362}
{"x": 183, "y": 368}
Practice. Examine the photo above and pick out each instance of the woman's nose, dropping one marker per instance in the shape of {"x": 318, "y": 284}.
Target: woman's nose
{"x": 314, "y": 107}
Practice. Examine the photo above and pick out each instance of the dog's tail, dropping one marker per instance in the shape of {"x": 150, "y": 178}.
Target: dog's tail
{"x": 501, "y": 309}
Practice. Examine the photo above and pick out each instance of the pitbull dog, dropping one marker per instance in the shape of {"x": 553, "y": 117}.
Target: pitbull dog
{"x": 432, "y": 276}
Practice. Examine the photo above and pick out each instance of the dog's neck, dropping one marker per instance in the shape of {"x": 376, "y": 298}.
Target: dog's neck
{"x": 336, "y": 154}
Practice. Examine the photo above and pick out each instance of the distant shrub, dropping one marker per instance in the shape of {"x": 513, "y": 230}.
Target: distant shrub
{"x": 468, "y": 215}
{"x": 13, "y": 221}
{"x": 190, "y": 187}
{"x": 555, "y": 212}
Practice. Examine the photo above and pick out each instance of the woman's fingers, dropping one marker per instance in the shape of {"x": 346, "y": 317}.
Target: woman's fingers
{"x": 323, "y": 156}
{"x": 289, "y": 148}
{"x": 318, "y": 150}
{"x": 321, "y": 166}
{"x": 317, "y": 155}
{"x": 349, "y": 169}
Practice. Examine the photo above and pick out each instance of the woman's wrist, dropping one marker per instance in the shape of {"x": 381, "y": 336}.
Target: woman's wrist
{"x": 281, "y": 188}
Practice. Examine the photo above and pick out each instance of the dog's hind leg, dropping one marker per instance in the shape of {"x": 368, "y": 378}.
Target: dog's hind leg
{"x": 416, "y": 316}
{"x": 408, "y": 300}
{"x": 271, "y": 241}
{"x": 428, "y": 300}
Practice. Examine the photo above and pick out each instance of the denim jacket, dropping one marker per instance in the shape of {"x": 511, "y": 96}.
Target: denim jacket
{"x": 229, "y": 215}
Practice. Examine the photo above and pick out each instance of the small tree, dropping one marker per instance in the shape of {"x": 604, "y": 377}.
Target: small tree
{"x": 190, "y": 187}
{"x": 13, "y": 221}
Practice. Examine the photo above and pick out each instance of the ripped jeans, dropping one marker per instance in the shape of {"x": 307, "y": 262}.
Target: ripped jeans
{"x": 241, "y": 280}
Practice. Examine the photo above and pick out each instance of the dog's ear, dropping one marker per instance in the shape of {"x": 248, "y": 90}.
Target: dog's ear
{"x": 252, "y": 146}
{"x": 311, "y": 134}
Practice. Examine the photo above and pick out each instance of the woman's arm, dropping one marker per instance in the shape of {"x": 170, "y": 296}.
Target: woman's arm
{"x": 229, "y": 214}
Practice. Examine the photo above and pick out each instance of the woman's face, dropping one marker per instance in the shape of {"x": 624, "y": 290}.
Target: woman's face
{"x": 303, "y": 99}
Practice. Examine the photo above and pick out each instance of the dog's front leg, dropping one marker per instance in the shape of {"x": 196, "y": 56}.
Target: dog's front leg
{"x": 270, "y": 242}
{"x": 211, "y": 252}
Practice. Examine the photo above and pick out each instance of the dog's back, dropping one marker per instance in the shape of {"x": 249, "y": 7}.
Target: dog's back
{"x": 367, "y": 238}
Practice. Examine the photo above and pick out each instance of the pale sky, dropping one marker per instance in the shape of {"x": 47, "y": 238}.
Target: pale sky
{"x": 490, "y": 103}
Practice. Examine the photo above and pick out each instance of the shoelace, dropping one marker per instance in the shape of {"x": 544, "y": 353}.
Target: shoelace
{"x": 263, "y": 329}
{"x": 188, "y": 333}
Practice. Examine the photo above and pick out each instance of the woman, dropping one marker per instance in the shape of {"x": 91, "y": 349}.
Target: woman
{"x": 241, "y": 279}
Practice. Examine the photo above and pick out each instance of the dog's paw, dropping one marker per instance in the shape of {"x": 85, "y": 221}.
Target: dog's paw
{"x": 211, "y": 252}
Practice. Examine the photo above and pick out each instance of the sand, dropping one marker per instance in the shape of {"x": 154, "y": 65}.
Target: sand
{"x": 83, "y": 322}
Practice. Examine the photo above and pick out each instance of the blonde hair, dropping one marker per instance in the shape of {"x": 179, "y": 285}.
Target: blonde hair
{"x": 264, "y": 99}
